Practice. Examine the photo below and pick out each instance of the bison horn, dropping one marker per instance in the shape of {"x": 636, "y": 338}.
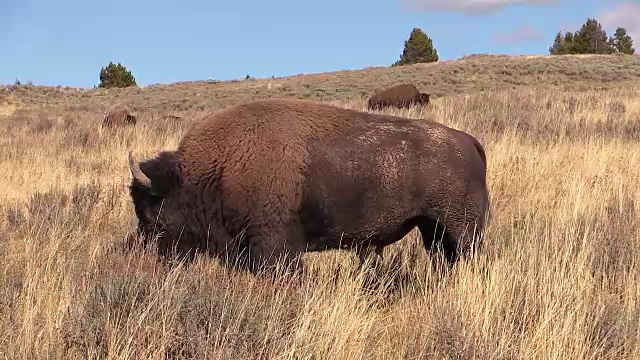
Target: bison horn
{"x": 137, "y": 173}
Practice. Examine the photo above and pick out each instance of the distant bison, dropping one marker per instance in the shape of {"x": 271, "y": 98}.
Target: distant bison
{"x": 119, "y": 117}
{"x": 399, "y": 96}
{"x": 279, "y": 177}
{"x": 173, "y": 118}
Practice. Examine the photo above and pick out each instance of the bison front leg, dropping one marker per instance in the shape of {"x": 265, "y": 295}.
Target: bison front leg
{"x": 271, "y": 247}
{"x": 232, "y": 251}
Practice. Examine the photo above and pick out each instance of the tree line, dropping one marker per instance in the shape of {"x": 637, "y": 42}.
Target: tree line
{"x": 591, "y": 38}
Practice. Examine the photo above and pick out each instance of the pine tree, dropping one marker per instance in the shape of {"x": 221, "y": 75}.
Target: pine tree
{"x": 568, "y": 43}
{"x": 417, "y": 49}
{"x": 591, "y": 39}
{"x": 562, "y": 44}
{"x": 558, "y": 47}
{"x": 116, "y": 75}
{"x": 622, "y": 42}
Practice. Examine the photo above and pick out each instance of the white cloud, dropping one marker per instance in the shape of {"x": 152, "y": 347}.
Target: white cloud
{"x": 524, "y": 33}
{"x": 626, "y": 15}
{"x": 472, "y": 6}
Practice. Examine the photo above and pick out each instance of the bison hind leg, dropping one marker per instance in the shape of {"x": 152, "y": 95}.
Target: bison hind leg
{"x": 433, "y": 233}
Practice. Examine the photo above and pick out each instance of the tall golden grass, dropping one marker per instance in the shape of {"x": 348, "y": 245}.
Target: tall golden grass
{"x": 558, "y": 276}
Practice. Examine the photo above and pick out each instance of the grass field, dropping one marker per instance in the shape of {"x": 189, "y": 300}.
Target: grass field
{"x": 559, "y": 276}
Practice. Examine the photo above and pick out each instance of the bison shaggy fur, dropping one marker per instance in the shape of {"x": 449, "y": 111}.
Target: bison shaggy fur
{"x": 399, "y": 96}
{"x": 274, "y": 178}
{"x": 119, "y": 117}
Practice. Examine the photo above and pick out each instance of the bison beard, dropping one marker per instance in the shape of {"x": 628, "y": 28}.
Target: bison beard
{"x": 268, "y": 180}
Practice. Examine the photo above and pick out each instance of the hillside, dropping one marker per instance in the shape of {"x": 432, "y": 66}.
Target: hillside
{"x": 558, "y": 274}
{"x": 467, "y": 75}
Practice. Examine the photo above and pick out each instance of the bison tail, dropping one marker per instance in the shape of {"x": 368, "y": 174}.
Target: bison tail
{"x": 480, "y": 150}
{"x": 487, "y": 211}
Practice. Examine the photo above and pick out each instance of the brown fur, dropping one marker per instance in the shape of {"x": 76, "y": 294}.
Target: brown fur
{"x": 293, "y": 175}
{"x": 399, "y": 96}
{"x": 119, "y": 117}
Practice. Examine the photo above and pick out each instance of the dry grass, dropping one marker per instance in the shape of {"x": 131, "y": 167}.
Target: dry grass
{"x": 468, "y": 75}
{"x": 559, "y": 276}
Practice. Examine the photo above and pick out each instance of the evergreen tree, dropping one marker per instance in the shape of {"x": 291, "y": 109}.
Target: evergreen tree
{"x": 568, "y": 43}
{"x": 562, "y": 44}
{"x": 116, "y": 75}
{"x": 559, "y": 45}
{"x": 591, "y": 39}
{"x": 622, "y": 42}
{"x": 417, "y": 49}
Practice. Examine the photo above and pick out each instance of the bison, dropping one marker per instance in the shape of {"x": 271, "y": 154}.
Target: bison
{"x": 274, "y": 178}
{"x": 119, "y": 117}
{"x": 399, "y": 96}
{"x": 172, "y": 118}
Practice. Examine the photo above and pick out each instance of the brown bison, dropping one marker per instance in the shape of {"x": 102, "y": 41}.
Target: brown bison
{"x": 399, "y": 96}
{"x": 119, "y": 117}
{"x": 173, "y": 118}
{"x": 274, "y": 178}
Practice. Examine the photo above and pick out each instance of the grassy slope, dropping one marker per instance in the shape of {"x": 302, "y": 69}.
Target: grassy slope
{"x": 469, "y": 75}
{"x": 559, "y": 277}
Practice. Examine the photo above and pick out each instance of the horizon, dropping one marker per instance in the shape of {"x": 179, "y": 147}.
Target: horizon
{"x": 165, "y": 43}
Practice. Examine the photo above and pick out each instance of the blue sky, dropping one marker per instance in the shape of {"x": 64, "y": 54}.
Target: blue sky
{"x": 66, "y": 42}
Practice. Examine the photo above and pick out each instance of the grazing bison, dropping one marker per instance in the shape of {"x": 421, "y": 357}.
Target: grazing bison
{"x": 173, "y": 118}
{"x": 279, "y": 177}
{"x": 119, "y": 117}
{"x": 399, "y": 96}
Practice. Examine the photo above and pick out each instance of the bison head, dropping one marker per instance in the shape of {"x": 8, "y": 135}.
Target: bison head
{"x": 164, "y": 205}
{"x": 424, "y": 98}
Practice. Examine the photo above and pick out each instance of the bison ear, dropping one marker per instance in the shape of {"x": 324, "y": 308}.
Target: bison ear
{"x": 137, "y": 174}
